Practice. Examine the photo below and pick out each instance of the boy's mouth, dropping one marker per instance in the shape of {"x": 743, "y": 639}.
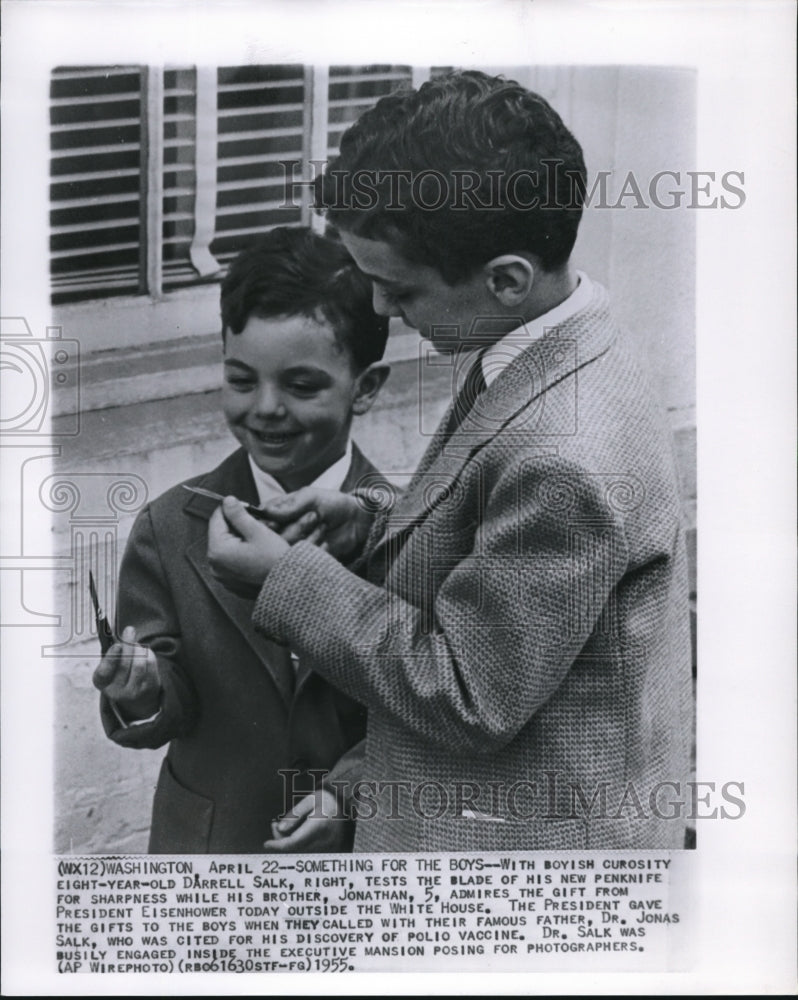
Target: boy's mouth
{"x": 273, "y": 439}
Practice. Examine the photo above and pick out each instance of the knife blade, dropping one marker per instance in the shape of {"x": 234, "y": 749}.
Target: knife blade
{"x": 255, "y": 512}
{"x": 104, "y": 631}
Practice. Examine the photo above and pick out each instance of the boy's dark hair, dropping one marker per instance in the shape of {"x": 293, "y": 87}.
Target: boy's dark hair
{"x": 464, "y": 169}
{"x": 292, "y": 271}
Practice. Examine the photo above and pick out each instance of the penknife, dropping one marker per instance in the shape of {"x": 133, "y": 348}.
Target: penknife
{"x": 255, "y": 512}
{"x": 104, "y": 631}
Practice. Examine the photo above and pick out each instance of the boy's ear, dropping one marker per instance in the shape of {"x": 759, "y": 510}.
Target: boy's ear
{"x": 368, "y": 384}
{"x": 509, "y": 278}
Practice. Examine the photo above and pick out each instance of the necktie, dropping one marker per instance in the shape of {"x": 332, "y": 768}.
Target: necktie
{"x": 474, "y": 384}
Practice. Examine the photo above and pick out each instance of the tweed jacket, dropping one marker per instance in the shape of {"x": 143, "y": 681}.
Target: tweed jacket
{"x": 520, "y": 634}
{"x": 234, "y": 709}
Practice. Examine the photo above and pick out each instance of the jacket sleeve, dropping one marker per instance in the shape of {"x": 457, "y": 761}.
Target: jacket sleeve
{"x": 346, "y": 773}
{"x": 145, "y": 601}
{"x": 464, "y": 663}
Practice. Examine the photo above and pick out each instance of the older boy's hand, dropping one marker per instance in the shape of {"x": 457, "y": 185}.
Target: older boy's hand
{"x": 241, "y": 549}
{"x": 339, "y": 522}
{"x": 313, "y": 825}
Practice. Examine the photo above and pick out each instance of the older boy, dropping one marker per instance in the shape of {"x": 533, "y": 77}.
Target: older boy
{"x": 520, "y": 635}
{"x": 302, "y": 350}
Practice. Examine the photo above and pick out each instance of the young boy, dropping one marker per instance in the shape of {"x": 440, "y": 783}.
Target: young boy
{"x": 302, "y": 350}
{"x": 520, "y": 630}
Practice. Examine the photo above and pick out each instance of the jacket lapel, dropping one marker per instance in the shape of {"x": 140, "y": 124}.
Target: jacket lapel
{"x": 517, "y": 392}
{"x": 234, "y": 477}
{"x": 360, "y": 469}
{"x": 361, "y": 473}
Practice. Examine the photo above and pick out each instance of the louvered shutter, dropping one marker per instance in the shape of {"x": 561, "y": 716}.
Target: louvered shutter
{"x": 355, "y": 89}
{"x": 262, "y": 121}
{"x": 95, "y": 173}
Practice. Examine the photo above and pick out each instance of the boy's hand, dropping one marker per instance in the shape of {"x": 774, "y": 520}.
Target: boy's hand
{"x": 128, "y": 675}
{"x": 342, "y": 521}
{"x": 241, "y": 549}
{"x": 313, "y": 825}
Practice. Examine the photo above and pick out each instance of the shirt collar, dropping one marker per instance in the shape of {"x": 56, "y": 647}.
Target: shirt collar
{"x": 331, "y": 479}
{"x": 499, "y": 355}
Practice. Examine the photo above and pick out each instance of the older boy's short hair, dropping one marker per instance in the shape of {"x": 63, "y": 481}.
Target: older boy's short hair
{"x": 292, "y": 271}
{"x": 464, "y": 169}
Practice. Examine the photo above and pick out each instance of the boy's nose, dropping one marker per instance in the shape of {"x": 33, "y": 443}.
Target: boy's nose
{"x": 383, "y": 304}
{"x": 268, "y": 402}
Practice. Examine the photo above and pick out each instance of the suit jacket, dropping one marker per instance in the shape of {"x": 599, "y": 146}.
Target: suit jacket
{"x": 234, "y": 710}
{"x": 521, "y": 637}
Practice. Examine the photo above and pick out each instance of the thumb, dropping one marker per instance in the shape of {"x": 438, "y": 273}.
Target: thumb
{"x": 237, "y": 517}
{"x": 293, "y": 818}
{"x": 130, "y": 647}
{"x": 111, "y": 663}
{"x": 107, "y": 668}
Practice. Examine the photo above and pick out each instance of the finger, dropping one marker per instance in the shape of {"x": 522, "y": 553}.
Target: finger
{"x": 317, "y": 534}
{"x": 293, "y": 533}
{"x": 260, "y": 515}
{"x": 143, "y": 671}
{"x": 276, "y": 847}
{"x": 221, "y": 540}
{"x": 298, "y": 530}
{"x": 308, "y": 521}
{"x": 130, "y": 650}
{"x": 298, "y": 838}
{"x": 124, "y": 663}
{"x": 312, "y": 836}
{"x": 144, "y": 686}
{"x": 239, "y": 518}
{"x": 107, "y": 667}
{"x": 285, "y": 824}
{"x": 132, "y": 653}
{"x": 286, "y": 509}
{"x": 300, "y": 811}
{"x": 121, "y": 670}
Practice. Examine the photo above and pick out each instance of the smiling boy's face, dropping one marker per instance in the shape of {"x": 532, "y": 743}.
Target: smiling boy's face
{"x": 288, "y": 393}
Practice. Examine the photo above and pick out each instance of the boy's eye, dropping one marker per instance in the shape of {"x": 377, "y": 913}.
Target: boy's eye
{"x": 304, "y": 388}
{"x": 239, "y": 383}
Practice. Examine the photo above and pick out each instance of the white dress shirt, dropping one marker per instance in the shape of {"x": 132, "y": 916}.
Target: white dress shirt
{"x": 331, "y": 479}
{"x": 499, "y": 355}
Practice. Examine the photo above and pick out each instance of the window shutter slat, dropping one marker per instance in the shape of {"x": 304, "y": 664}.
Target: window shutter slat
{"x": 95, "y": 170}
{"x": 354, "y": 89}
